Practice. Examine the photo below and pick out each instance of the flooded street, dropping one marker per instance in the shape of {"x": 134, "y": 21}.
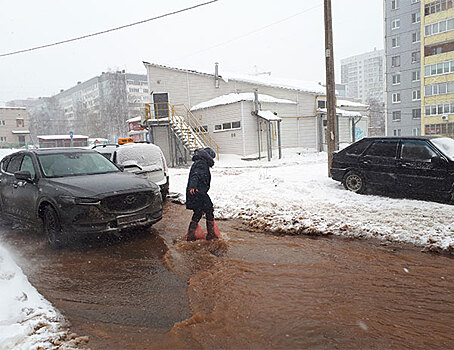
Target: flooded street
{"x": 250, "y": 290}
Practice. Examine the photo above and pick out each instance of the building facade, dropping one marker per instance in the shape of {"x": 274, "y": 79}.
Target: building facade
{"x": 98, "y": 107}
{"x": 14, "y": 127}
{"x": 437, "y": 65}
{"x": 403, "y": 67}
{"x": 363, "y": 76}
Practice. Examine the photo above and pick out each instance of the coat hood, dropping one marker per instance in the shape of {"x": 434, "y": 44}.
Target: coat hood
{"x": 201, "y": 154}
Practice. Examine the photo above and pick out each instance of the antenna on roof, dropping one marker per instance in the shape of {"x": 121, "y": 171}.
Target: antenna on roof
{"x": 257, "y": 72}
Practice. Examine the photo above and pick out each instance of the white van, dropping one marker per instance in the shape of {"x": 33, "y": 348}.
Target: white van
{"x": 144, "y": 159}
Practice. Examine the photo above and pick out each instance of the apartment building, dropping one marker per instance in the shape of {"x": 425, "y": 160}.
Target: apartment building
{"x": 437, "y": 63}
{"x": 363, "y": 76}
{"x": 98, "y": 107}
{"x": 14, "y": 126}
{"x": 403, "y": 67}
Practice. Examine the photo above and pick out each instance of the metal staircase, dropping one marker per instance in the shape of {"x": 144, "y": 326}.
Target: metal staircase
{"x": 184, "y": 125}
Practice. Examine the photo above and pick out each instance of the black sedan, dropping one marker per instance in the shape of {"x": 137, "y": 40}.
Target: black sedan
{"x": 421, "y": 165}
{"x": 73, "y": 192}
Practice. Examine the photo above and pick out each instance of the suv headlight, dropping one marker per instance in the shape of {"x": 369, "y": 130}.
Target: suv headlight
{"x": 80, "y": 201}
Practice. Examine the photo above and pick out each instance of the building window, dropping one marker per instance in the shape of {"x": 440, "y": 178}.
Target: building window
{"x": 395, "y": 42}
{"x": 439, "y": 68}
{"x": 134, "y": 90}
{"x": 395, "y": 24}
{"x": 437, "y": 6}
{"x": 414, "y": 1}
{"x": 416, "y": 132}
{"x": 397, "y": 116}
{"x": 396, "y": 97}
{"x": 20, "y": 123}
{"x": 416, "y": 75}
{"x": 395, "y": 61}
{"x": 2, "y": 123}
{"x": 2, "y": 138}
{"x": 321, "y": 104}
{"x": 416, "y": 37}
{"x": 397, "y": 132}
{"x": 415, "y": 56}
{"x": 202, "y": 129}
{"x": 416, "y": 17}
{"x": 396, "y": 79}
{"x": 394, "y": 4}
{"x": 227, "y": 126}
{"x": 416, "y": 95}
{"x": 416, "y": 113}
{"x": 439, "y": 109}
{"x": 439, "y": 89}
{"x": 439, "y": 27}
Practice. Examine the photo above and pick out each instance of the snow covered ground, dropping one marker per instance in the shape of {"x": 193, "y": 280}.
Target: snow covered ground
{"x": 295, "y": 195}
{"x": 27, "y": 320}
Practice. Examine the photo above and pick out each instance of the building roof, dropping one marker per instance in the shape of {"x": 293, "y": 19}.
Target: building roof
{"x": 135, "y": 119}
{"x": 61, "y": 137}
{"x": 238, "y": 97}
{"x": 8, "y": 107}
{"x": 343, "y": 112}
{"x": 268, "y": 115}
{"x": 282, "y": 83}
{"x": 347, "y": 103}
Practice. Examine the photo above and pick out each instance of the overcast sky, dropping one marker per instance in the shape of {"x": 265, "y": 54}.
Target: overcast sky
{"x": 284, "y": 37}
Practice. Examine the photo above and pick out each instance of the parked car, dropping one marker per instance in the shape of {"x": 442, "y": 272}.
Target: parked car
{"x": 143, "y": 159}
{"x": 423, "y": 165}
{"x": 75, "y": 191}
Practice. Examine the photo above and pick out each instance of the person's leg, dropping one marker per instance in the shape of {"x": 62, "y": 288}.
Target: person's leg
{"x": 193, "y": 225}
{"x": 210, "y": 224}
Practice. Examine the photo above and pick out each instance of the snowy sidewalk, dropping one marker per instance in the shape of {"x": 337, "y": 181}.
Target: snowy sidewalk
{"x": 294, "y": 195}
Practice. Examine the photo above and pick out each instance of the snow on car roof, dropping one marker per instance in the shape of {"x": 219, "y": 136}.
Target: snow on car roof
{"x": 145, "y": 154}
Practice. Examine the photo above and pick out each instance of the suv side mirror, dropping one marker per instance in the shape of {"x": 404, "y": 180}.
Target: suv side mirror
{"x": 121, "y": 167}
{"x": 23, "y": 175}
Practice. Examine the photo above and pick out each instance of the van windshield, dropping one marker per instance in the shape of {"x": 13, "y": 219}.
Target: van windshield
{"x": 148, "y": 157}
{"x": 445, "y": 145}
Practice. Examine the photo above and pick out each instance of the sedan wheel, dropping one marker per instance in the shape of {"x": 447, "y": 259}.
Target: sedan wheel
{"x": 354, "y": 182}
{"x": 52, "y": 227}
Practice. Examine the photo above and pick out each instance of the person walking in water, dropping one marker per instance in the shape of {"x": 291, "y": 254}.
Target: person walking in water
{"x": 197, "y": 198}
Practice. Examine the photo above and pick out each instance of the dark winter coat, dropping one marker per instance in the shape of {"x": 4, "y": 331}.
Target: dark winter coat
{"x": 199, "y": 179}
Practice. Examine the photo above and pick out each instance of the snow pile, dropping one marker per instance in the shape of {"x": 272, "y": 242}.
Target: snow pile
{"x": 294, "y": 195}
{"x": 27, "y": 320}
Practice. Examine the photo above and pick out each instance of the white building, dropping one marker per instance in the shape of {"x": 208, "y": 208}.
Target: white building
{"x": 221, "y": 110}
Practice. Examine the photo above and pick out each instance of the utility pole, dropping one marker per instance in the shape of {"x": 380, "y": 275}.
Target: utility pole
{"x": 331, "y": 126}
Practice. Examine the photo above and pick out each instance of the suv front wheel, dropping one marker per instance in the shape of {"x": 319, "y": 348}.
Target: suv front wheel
{"x": 354, "y": 182}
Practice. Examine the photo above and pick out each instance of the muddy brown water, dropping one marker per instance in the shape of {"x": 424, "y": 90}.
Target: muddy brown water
{"x": 251, "y": 290}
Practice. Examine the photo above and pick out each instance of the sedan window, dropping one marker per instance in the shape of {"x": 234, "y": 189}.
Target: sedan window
{"x": 70, "y": 164}
{"x": 416, "y": 150}
{"x": 383, "y": 148}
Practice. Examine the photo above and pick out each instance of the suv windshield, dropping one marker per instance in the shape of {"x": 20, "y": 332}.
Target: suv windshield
{"x": 75, "y": 163}
{"x": 446, "y": 145}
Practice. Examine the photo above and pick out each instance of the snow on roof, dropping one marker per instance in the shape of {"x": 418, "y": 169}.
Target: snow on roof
{"x": 135, "y": 119}
{"x": 65, "y": 137}
{"x": 268, "y": 115}
{"x": 347, "y": 103}
{"x": 237, "y": 97}
{"x": 343, "y": 112}
{"x": 21, "y": 131}
{"x": 290, "y": 84}
{"x": 8, "y": 107}
{"x": 100, "y": 139}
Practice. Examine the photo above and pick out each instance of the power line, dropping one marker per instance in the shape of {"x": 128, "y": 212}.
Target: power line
{"x": 254, "y": 31}
{"x": 106, "y": 31}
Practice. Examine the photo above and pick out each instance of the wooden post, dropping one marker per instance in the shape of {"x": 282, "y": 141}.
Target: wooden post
{"x": 331, "y": 134}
